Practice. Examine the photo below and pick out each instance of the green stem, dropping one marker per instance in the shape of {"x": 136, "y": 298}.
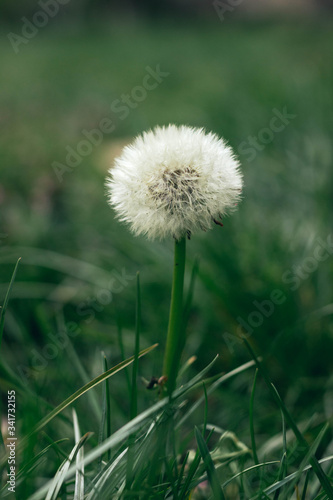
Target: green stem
{"x": 176, "y": 332}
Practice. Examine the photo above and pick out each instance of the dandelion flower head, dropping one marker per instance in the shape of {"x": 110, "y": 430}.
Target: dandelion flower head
{"x": 173, "y": 181}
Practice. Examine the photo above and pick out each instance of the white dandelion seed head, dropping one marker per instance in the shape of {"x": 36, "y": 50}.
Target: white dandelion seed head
{"x": 172, "y": 181}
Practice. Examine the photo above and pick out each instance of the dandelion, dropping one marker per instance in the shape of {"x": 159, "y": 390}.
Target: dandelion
{"x": 171, "y": 182}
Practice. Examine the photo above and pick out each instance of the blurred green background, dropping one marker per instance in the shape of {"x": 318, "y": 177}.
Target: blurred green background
{"x": 231, "y": 76}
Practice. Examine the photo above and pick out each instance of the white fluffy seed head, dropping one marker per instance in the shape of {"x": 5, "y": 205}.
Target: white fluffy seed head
{"x": 172, "y": 181}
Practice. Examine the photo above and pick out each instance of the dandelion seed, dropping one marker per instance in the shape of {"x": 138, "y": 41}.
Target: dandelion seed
{"x": 173, "y": 181}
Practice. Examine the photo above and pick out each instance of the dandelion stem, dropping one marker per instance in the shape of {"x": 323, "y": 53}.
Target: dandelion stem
{"x": 176, "y": 333}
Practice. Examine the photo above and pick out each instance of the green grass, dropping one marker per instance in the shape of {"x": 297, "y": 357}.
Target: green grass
{"x": 227, "y": 77}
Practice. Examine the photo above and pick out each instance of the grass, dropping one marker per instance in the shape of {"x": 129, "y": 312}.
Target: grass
{"x": 75, "y": 288}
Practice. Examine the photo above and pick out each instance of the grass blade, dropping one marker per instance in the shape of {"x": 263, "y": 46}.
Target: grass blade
{"x": 284, "y": 461}
{"x": 131, "y": 427}
{"x": 122, "y": 350}
{"x": 252, "y": 433}
{"x": 322, "y": 477}
{"x": 312, "y": 450}
{"x": 249, "y": 469}
{"x": 27, "y": 469}
{"x": 209, "y": 466}
{"x": 134, "y": 395}
{"x": 84, "y": 389}
{"x": 206, "y": 411}
{"x": 134, "y": 389}
{"x": 213, "y": 387}
{"x": 107, "y": 405}
{"x": 281, "y": 474}
{"x": 292, "y": 476}
{"x": 60, "y": 476}
{"x": 77, "y": 363}
{"x": 193, "y": 468}
{"x": 2, "y": 324}
{"x": 186, "y": 365}
{"x": 79, "y": 475}
{"x": 97, "y": 487}
{"x": 305, "y": 487}
{"x": 182, "y": 469}
{"x": 5, "y": 302}
{"x": 106, "y": 411}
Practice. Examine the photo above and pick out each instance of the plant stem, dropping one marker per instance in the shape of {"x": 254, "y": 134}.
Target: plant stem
{"x": 176, "y": 331}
